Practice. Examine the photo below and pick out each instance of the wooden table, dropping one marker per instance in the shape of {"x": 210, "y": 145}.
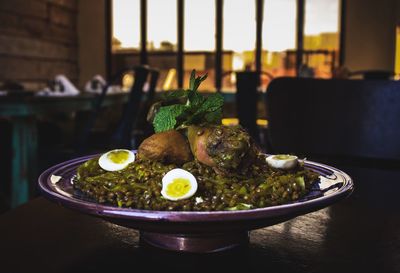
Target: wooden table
{"x": 359, "y": 234}
{"x": 22, "y": 111}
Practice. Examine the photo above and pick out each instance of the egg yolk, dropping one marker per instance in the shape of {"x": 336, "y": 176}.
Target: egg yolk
{"x": 118, "y": 157}
{"x": 283, "y": 157}
{"x": 178, "y": 187}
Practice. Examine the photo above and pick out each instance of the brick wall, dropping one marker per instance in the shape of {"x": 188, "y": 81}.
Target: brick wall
{"x": 38, "y": 39}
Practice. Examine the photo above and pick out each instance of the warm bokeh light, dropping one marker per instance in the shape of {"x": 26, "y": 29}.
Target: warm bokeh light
{"x": 126, "y": 22}
{"x": 321, "y": 32}
{"x": 239, "y": 26}
{"x": 321, "y": 37}
{"x": 199, "y": 30}
{"x": 161, "y": 23}
{"x": 235, "y": 121}
{"x": 171, "y": 74}
{"x": 397, "y": 57}
{"x": 127, "y": 81}
{"x": 279, "y": 25}
{"x": 322, "y": 16}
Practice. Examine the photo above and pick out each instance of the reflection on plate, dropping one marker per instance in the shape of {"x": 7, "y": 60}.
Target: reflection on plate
{"x": 195, "y": 231}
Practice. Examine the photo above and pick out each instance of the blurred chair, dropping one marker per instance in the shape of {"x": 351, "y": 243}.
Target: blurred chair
{"x": 88, "y": 130}
{"x": 90, "y": 139}
{"x": 154, "y": 76}
{"x": 373, "y": 74}
{"x": 306, "y": 71}
{"x": 340, "y": 72}
{"x": 143, "y": 128}
{"x": 122, "y": 135}
{"x": 335, "y": 120}
{"x": 247, "y": 83}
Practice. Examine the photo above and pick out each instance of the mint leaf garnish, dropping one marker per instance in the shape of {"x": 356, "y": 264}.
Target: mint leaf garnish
{"x": 173, "y": 95}
{"x": 166, "y": 117}
{"x": 213, "y": 117}
{"x": 192, "y": 109}
{"x": 212, "y": 104}
{"x": 195, "y": 98}
{"x": 195, "y": 82}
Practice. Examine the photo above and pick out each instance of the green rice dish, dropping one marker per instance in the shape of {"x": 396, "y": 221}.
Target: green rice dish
{"x": 193, "y": 163}
{"x": 139, "y": 186}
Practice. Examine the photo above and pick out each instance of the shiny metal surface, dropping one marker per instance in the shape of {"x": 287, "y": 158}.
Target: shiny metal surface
{"x": 196, "y": 231}
{"x": 195, "y": 243}
{"x": 359, "y": 234}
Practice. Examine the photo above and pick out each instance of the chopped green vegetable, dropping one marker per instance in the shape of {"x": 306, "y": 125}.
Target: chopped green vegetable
{"x": 193, "y": 108}
{"x": 241, "y": 206}
{"x": 243, "y": 190}
{"x": 300, "y": 182}
{"x": 139, "y": 186}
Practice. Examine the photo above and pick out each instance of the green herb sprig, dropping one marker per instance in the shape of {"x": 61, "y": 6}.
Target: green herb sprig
{"x": 196, "y": 109}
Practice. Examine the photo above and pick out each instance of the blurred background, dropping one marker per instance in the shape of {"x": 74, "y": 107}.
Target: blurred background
{"x": 42, "y": 38}
{"x": 243, "y": 45}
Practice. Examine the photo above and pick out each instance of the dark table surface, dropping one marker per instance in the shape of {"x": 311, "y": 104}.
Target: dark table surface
{"x": 359, "y": 234}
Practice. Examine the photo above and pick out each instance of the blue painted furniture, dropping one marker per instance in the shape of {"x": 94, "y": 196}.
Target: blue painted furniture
{"x": 22, "y": 112}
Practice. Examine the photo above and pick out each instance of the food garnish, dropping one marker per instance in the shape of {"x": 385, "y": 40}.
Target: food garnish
{"x": 116, "y": 160}
{"x": 282, "y": 161}
{"x": 193, "y": 163}
{"x": 178, "y": 184}
{"x": 55, "y": 178}
{"x": 192, "y": 108}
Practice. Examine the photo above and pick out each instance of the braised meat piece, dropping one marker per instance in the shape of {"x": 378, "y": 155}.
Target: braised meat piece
{"x": 166, "y": 147}
{"x": 227, "y": 148}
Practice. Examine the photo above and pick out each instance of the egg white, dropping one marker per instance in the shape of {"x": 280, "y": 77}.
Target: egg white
{"x": 174, "y": 174}
{"x": 108, "y": 165}
{"x": 289, "y": 162}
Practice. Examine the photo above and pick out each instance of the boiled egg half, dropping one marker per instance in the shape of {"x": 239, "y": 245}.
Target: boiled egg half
{"x": 178, "y": 184}
{"x": 116, "y": 160}
{"x": 283, "y": 162}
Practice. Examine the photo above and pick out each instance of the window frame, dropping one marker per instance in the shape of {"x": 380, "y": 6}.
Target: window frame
{"x": 218, "y": 37}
